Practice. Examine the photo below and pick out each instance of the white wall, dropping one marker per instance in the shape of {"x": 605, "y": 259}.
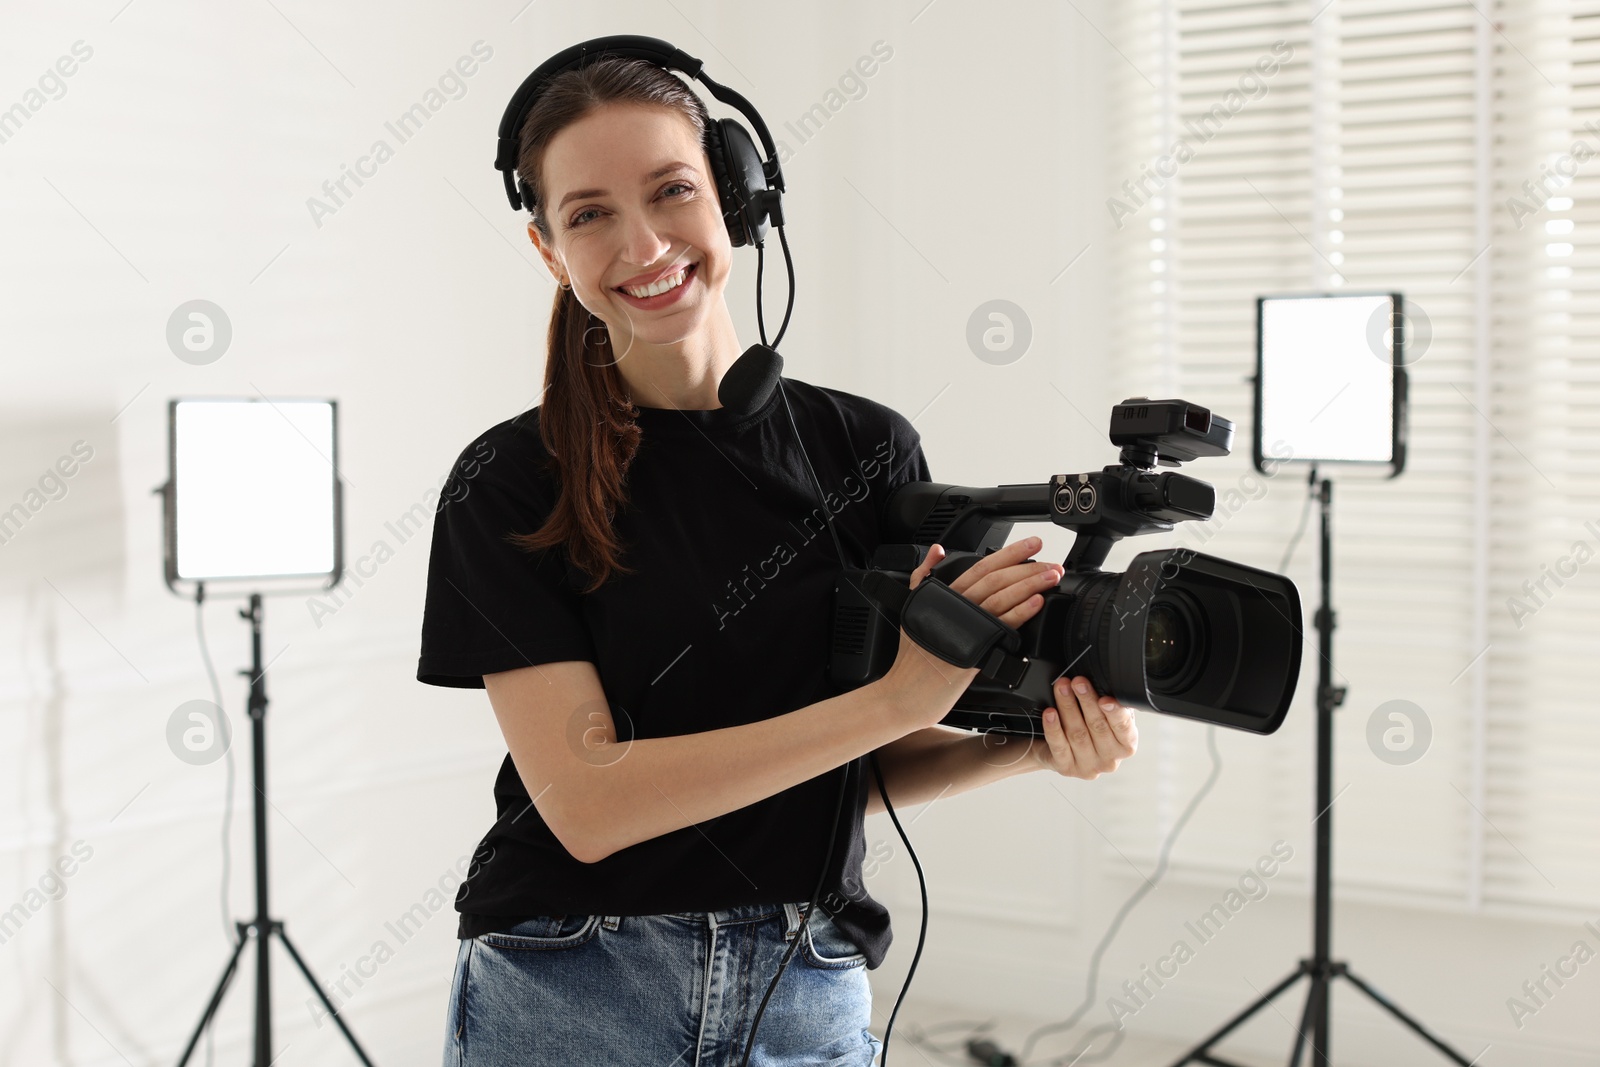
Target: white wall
{"x": 177, "y": 165}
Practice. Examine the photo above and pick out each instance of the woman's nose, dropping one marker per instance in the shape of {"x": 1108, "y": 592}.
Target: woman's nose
{"x": 642, "y": 242}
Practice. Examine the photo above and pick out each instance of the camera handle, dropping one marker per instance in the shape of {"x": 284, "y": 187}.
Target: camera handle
{"x": 950, "y": 626}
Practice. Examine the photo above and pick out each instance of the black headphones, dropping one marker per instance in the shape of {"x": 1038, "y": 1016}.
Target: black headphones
{"x": 749, "y": 190}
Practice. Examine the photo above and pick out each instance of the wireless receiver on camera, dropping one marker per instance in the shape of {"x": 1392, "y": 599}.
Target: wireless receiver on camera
{"x": 1178, "y": 632}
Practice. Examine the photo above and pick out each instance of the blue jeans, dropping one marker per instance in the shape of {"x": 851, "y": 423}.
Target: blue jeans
{"x": 669, "y": 990}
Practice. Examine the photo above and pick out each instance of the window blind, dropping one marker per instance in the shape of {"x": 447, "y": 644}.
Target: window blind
{"x": 1362, "y": 145}
{"x": 1543, "y": 737}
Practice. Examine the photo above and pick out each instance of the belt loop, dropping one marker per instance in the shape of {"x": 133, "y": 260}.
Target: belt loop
{"x": 611, "y": 922}
{"x": 792, "y": 914}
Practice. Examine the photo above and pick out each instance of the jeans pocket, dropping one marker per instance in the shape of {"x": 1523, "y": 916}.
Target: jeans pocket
{"x": 545, "y": 932}
{"x": 456, "y": 1010}
{"x": 824, "y": 945}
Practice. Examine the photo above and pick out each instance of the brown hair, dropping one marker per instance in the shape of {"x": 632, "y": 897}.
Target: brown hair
{"x": 586, "y": 422}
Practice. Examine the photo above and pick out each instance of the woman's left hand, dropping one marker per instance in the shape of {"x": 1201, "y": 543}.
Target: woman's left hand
{"x": 1087, "y": 735}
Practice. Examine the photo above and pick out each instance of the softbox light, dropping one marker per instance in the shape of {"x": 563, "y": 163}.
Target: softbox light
{"x": 1331, "y": 380}
{"x": 253, "y": 491}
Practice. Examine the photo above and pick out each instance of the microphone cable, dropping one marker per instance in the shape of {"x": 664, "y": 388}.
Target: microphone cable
{"x": 1093, "y": 981}
{"x": 761, "y": 256}
{"x": 774, "y": 369}
{"x": 922, "y": 886}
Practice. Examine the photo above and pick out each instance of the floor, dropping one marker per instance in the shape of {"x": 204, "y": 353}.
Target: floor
{"x": 932, "y": 1035}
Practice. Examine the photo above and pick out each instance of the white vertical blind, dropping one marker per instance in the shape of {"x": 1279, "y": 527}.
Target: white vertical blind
{"x": 1543, "y": 734}
{"x": 1343, "y": 146}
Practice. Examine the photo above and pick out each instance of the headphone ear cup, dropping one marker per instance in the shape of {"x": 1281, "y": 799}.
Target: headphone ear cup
{"x": 526, "y": 192}
{"x": 741, "y": 181}
{"x": 727, "y": 196}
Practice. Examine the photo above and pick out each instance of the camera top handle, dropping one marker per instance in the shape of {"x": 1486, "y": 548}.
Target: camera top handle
{"x": 1122, "y": 500}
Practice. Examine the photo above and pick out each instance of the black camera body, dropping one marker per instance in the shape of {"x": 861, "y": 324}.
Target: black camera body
{"x": 1178, "y": 632}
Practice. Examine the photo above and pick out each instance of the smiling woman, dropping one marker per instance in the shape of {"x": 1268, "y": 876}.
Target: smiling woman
{"x": 636, "y": 874}
{"x": 671, "y": 820}
{"x": 637, "y": 206}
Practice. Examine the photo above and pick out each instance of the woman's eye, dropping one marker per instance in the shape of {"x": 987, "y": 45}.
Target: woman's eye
{"x": 579, "y": 219}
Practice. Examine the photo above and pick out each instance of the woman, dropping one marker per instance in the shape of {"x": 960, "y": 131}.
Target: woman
{"x": 640, "y": 580}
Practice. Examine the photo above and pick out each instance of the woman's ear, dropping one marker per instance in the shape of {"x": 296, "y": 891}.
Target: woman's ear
{"x": 552, "y": 262}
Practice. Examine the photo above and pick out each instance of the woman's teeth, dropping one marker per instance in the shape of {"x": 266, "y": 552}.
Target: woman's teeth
{"x": 661, "y": 285}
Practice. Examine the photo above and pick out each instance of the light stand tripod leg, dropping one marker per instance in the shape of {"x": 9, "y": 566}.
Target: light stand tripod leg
{"x": 263, "y": 926}
{"x": 326, "y": 1003}
{"x": 1201, "y": 1053}
{"x": 1393, "y": 1009}
{"x": 216, "y": 995}
{"x": 1305, "y": 1019}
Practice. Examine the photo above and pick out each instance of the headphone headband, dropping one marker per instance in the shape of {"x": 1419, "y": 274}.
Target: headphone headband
{"x": 628, "y": 46}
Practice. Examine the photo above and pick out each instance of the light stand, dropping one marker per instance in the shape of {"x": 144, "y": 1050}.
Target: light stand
{"x": 1321, "y": 968}
{"x": 262, "y": 927}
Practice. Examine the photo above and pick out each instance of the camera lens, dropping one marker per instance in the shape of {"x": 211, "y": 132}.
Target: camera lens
{"x": 1166, "y": 642}
{"x": 1173, "y": 644}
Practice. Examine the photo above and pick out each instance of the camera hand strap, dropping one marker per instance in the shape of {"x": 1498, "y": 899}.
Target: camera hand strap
{"x": 950, "y": 626}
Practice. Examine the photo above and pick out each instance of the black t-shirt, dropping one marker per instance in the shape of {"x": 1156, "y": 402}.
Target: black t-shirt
{"x": 727, "y": 620}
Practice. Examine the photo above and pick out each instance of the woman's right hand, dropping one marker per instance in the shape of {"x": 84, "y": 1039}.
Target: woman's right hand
{"x": 925, "y": 687}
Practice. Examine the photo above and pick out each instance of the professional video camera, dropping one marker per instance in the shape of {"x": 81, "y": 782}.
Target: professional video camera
{"x": 1178, "y": 632}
